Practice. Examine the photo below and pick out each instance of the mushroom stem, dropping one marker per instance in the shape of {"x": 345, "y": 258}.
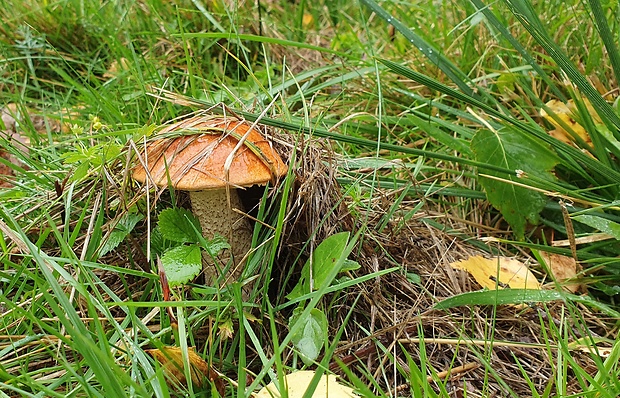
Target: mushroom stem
{"x": 216, "y": 217}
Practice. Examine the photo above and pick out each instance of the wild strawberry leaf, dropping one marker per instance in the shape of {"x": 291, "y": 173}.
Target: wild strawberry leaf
{"x": 528, "y": 157}
{"x": 181, "y": 264}
{"x": 120, "y": 232}
{"x": 179, "y": 225}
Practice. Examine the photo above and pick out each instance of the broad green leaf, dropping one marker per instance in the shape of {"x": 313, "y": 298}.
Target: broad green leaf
{"x": 179, "y": 225}
{"x": 511, "y": 149}
{"x": 602, "y": 224}
{"x": 159, "y": 245}
{"x": 120, "y": 232}
{"x": 324, "y": 259}
{"x": 216, "y": 245}
{"x": 311, "y": 335}
{"x": 182, "y": 263}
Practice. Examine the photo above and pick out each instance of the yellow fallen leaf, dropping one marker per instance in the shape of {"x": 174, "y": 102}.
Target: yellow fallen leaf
{"x": 171, "y": 359}
{"x": 562, "y": 268}
{"x": 297, "y": 383}
{"x": 307, "y": 20}
{"x": 566, "y": 113}
{"x": 497, "y": 273}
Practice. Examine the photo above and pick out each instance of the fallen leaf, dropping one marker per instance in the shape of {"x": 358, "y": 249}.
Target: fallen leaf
{"x": 497, "y": 273}
{"x": 307, "y": 21}
{"x": 562, "y": 268}
{"x": 566, "y": 113}
{"x": 171, "y": 359}
{"x": 297, "y": 383}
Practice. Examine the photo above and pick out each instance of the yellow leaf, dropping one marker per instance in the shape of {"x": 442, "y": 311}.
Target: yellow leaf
{"x": 566, "y": 112}
{"x": 498, "y": 272}
{"x": 562, "y": 268}
{"x": 297, "y": 383}
{"x": 171, "y": 359}
{"x": 307, "y": 20}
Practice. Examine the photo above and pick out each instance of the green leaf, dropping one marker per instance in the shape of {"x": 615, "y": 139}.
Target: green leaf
{"x": 216, "y": 245}
{"x": 499, "y": 297}
{"x": 511, "y": 149}
{"x": 145, "y": 131}
{"x": 120, "y": 232}
{"x": 519, "y": 296}
{"x": 80, "y": 171}
{"x": 602, "y": 224}
{"x": 324, "y": 259}
{"x": 349, "y": 265}
{"x": 310, "y": 337}
{"x": 179, "y": 225}
{"x": 414, "y": 278}
{"x": 182, "y": 263}
{"x": 159, "y": 245}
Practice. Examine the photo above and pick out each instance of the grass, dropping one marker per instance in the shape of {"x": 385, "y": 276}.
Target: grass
{"x": 390, "y": 117}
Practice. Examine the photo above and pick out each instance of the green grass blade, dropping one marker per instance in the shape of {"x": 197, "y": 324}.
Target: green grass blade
{"x": 432, "y": 53}
{"x": 526, "y": 15}
{"x": 608, "y": 38}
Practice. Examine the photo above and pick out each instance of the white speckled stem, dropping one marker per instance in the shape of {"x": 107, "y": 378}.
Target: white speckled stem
{"x": 216, "y": 217}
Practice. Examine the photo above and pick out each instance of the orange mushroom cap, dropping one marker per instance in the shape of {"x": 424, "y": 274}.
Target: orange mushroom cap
{"x": 194, "y": 157}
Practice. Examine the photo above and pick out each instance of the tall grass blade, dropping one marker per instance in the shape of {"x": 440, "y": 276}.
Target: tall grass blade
{"x": 526, "y": 15}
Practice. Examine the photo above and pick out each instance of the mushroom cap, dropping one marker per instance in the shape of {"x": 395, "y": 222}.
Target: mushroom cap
{"x": 194, "y": 157}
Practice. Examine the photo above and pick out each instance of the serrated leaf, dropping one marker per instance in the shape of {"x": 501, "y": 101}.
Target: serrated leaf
{"x": 158, "y": 244}
{"x": 602, "y": 224}
{"x": 311, "y": 336}
{"x": 324, "y": 258}
{"x": 217, "y": 244}
{"x": 511, "y": 149}
{"x": 179, "y": 225}
{"x": 80, "y": 172}
{"x": 182, "y": 263}
{"x": 120, "y": 232}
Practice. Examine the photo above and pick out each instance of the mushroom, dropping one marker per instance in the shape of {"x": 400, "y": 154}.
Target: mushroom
{"x": 212, "y": 157}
